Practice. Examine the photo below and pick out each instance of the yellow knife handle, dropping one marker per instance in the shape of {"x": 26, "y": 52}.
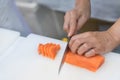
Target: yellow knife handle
{"x": 65, "y": 39}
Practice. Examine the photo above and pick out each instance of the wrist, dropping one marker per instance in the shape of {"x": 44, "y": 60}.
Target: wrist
{"x": 83, "y": 7}
{"x": 114, "y": 40}
{"x": 114, "y": 31}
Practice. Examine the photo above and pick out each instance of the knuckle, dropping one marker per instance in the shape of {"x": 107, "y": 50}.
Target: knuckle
{"x": 72, "y": 21}
{"x": 77, "y": 41}
{"x": 93, "y": 51}
{"x": 72, "y": 38}
{"x": 85, "y": 45}
{"x": 98, "y": 51}
{"x": 73, "y": 16}
{"x": 89, "y": 34}
{"x": 90, "y": 53}
{"x": 79, "y": 53}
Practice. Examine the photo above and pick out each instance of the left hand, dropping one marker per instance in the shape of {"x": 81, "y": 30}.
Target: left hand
{"x": 91, "y": 43}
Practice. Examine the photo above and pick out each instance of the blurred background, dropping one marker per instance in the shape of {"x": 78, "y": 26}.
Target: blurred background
{"x": 48, "y": 20}
{"x": 46, "y": 17}
{"x": 41, "y": 19}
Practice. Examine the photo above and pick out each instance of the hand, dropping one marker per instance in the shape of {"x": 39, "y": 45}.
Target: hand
{"x": 91, "y": 43}
{"x": 76, "y": 18}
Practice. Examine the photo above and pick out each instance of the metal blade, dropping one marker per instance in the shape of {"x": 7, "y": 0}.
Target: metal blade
{"x": 62, "y": 62}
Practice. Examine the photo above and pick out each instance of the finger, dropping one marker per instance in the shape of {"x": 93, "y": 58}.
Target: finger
{"x": 99, "y": 50}
{"x": 77, "y": 36}
{"x": 76, "y": 45}
{"x": 71, "y": 41}
{"x": 73, "y": 24}
{"x": 82, "y": 20}
{"x": 83, "y": 48}
{"x": 90, "y": 53}
{"x": 66, "y": 22}
{"x": 73, "y": 38}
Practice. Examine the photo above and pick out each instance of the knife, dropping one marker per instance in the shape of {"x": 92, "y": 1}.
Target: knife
{"x": 62, "y": 61}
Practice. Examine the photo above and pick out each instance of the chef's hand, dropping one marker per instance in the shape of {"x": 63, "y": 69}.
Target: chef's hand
{"x": 76, "y": 18}
{"x": 91, "y": 43}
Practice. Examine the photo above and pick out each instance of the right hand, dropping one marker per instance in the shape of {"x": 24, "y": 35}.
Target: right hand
{"x": 77, "y": 17}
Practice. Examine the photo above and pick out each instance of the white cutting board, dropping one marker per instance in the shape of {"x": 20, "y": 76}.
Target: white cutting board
{"x": 24, "y": 63}
{"x": 7, "y": 38}
{"x": 110, "y": 70}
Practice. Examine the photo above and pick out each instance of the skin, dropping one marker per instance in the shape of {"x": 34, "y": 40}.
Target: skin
{"x": 77, "y": 17}
{"x": 89, "y": 43}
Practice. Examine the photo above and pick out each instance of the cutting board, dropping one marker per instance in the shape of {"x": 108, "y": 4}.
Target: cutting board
{"x": 25, "y": 63}
{"x": 7, "y": 38}
{"x": 110, "y": 70}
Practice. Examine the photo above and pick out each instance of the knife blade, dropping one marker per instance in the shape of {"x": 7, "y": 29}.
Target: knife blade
{"x": 62, "y": 61}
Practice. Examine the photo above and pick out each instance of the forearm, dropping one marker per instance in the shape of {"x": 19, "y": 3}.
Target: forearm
{"x": 80, "y": 3}
{"x": 115, "y": 31}
{"x": 81, "y": 6}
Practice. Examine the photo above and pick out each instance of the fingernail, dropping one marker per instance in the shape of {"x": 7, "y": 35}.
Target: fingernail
{"x": 90, "y": 53}
{"x": 69, "y": 34}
